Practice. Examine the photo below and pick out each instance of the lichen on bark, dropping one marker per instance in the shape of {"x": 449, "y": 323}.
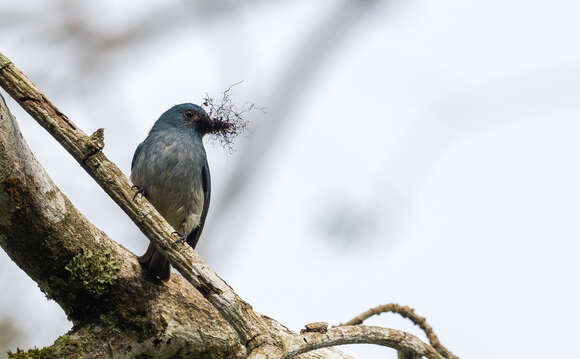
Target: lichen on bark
{"x": 95, "y": 272}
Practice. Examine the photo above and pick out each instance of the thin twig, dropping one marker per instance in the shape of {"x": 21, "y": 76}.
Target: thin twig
{"x": 361, "y": 334}
{"x": 405, "y": 312}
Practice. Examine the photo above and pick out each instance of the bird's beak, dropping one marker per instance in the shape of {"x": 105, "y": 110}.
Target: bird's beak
{"x": 204, "y": 124}
{"x": 215, "y": 125}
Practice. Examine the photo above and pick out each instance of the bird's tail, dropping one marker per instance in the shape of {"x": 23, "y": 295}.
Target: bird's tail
{"x": 157, "y": 265}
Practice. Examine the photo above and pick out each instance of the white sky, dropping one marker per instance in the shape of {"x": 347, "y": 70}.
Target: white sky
{"x": 450, "y": 127}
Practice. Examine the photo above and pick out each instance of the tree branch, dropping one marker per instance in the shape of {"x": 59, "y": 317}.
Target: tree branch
{"x": 34, "y": 215}
{"x": 360, "y": 334}
{"x": 409, "y": 313}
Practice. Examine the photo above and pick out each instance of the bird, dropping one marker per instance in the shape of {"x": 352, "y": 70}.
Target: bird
{"x": 170, "y": 169}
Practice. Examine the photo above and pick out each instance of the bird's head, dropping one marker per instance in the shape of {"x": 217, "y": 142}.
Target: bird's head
{"x": 189, "y": 116}
{"x": 186, "y": 116}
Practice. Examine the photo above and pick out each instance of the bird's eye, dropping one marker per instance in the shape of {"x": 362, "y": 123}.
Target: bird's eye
{"x": 188, "y": 114}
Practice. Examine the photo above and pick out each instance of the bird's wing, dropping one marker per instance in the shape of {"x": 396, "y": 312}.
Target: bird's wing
{"x": 135, "y": 155}
{"x": 193, "y": 237}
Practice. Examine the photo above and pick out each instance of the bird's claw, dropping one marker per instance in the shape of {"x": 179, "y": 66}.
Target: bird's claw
{"x": 138, "y": 192}
{"x": 180, "y": 238}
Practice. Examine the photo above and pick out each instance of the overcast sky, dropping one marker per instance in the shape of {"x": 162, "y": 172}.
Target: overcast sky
{"x": 430, "y": 160}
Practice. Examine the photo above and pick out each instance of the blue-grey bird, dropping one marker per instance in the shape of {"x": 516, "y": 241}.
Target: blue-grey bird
{"x": 170, "y": 169}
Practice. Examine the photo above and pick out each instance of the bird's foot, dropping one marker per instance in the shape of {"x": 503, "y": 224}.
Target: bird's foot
{"x": 180, "y": 238}
{"x": 138, "y": 191}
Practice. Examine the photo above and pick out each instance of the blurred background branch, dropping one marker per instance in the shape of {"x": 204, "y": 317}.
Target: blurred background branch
{"x": 284, "y": 99}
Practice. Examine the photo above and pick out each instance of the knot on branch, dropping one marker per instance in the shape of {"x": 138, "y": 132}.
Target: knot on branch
{"x": 4, "y": 61}
{"x": 316, "y": 327}
{"x": 95, "y": 143}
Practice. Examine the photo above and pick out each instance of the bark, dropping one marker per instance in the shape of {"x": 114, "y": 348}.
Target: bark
{"x": 116, "y": 310}
{"x": 410, "y": 314}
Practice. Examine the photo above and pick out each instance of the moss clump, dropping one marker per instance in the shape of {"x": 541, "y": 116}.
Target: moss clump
{"x": 94, "y": 271}
{"x": 35, "y": 353}
{"x": 65, "y": 346}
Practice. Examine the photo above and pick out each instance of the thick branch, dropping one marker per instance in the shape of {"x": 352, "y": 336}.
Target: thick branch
{"x": 360, "y": 334}
{"x": 87, "y": 151}
{"x": 409, "y": 313}
{"x": 39, "y": 228}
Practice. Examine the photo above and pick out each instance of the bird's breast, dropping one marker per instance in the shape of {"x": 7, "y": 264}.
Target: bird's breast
{"x": 169, "y": 170}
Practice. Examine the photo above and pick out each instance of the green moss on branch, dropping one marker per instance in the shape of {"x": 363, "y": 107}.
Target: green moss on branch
{"x": 35, "y": 353}
{"x": 95, "y": 271}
